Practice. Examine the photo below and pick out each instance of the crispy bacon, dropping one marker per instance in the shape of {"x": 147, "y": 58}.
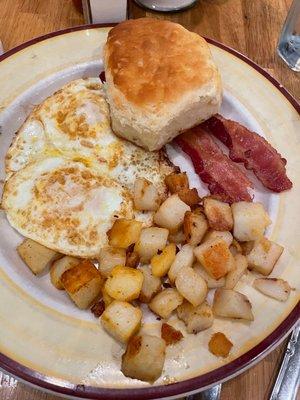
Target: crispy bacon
{"x": 252, "y": 150}
{"x": 225, "y": 180}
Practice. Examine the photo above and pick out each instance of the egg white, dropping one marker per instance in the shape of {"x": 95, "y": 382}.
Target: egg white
{"x": 74, "y": 123}
{"x": 64, "y": 205}
{"x": 72, "y": 127}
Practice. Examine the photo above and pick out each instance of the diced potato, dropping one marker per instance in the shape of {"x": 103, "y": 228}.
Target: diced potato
{"x": 124, "y": 283}
{"x": 121, "y": 320}
{"x": 106, "y": 298}
{"x": 150, "y": 242}
{"x": 250, "y": 220}
{"x": 189, "y": 196}
{"x": 214, "y": 255}
{"x": 219, "y": 214}
{"x": 36, "y": 256}
{"x": 109, "y": 258}
{"x": 211, "y": 282}
{"x": 59, "y": 267}
{"x": 169, "y": 334}
{"x": 233, "y": 276}
{"x": 145, "y": 195}
{"x": 225, "y": 235}
{"x": 194, "y": 227}
{"x": 132, "y": 258}
{"x": 177, "y": 237}
{"x": 165, "y": 302}
{"x": 196, "y": 319}
{"x": 144, "y": 358}
{"x": 151, "y": 285}
{"x": 124, "y": 232}
{"x": 161, "y": 262}
{"x": 184, "y": 258}
{"x": 264, "y": 255}
{"x": 170, "y": 214}
{"x": 83, "y": 283}
{"x": 273, "y": 287}
{"x": 231, "y": 304}
{"x": 191, "y": 286}
{"x": 247, "y": 247}
{"x": 177, "y": 182}
{"x": 219, "y": 345}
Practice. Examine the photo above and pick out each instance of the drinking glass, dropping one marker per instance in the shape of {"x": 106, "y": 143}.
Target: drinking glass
{"x": 289, "y": 41}
{"x": 166, "y": 5}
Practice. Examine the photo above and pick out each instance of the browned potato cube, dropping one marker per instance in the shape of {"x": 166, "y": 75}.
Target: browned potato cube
{"x": 145, "y": 195}
{"x": 165, "y": 302}
{"x": 151, "y": 285}
{"x": 237, "y": 272}
{"x": 231, "y": 304}
{"x": 144, "y": 358}
{"x": 264, "y": 255}
{"x": 196, "y": 319}
{"x": 124, "y": 283}
{"x": 215, "y": 256}
{"x": 211, "y": 282}
{"x": 219, "y": 345}
{"x": 276, "y": 288}
{"x": 83, "y": 283}
{"x": 121, "y": 320}
{"x": 169, "y": 334}
{"x": 191, "y": 286}
{"x": 36, "y": 256}
{"x": 184, "y": 258}
{"x": 194, "y": 227}
{"x": 219, "y": 214}
{"x": 225, "y": 235}
{"x": 189, "y": 196}
{"x": 109, "y": 258}
{"x": 170, "y": 214}
{"x": 250, "y": 220}
{"x": 151, "y": 241}
{"x": 161, "y": 262}
{"x": 124, "y": 232}
{"x": 59, "y": 267}
{"x": 177, "y": 182}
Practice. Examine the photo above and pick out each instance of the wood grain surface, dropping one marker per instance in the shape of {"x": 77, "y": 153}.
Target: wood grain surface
{"x": 251, "y": 27}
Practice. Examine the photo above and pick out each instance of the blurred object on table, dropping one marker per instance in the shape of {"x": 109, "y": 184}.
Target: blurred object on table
{"x": 289, "y": 42}
{"x": 102, "y": 11}
{"x": 166, "y": 5}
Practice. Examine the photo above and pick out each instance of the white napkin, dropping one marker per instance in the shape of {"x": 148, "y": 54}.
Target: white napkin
{"x": 103, "y": 11}
{"x": 1, "y": 48}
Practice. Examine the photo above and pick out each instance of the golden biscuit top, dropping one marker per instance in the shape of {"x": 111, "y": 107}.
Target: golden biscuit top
{"x": 153, "y": 62}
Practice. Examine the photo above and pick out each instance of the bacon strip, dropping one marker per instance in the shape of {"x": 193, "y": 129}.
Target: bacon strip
{"x": 225, "y": 180}
{"x": 252, "y": 150}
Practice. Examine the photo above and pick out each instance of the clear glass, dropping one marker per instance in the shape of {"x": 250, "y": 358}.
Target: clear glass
{"x": 166, "y": 5}
{"x": 289, "y": 41}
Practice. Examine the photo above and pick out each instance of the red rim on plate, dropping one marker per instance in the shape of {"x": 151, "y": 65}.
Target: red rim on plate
{"x": 175, "y": 389}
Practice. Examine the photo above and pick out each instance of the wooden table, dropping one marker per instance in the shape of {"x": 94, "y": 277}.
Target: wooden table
{"x": 250, "y": 26}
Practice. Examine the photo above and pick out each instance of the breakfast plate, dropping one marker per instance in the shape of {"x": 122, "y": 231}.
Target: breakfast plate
{"x": 48, "y": 342}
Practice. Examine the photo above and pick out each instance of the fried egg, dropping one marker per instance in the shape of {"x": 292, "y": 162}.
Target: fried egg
{"x": 75, "y": 123}
{"x": 65, "y": 206}
{"x": 69, "y": 176}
